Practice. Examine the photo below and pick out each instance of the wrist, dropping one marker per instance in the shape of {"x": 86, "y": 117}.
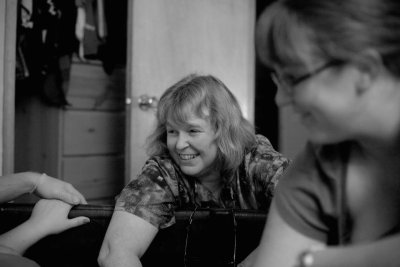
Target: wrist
{"x": 37, "y": 228}
{"x": 37, "y": 181}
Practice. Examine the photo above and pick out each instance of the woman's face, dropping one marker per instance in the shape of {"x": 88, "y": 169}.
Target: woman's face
{"x": 193, "y": 147}
{"x": 324, "y": 95}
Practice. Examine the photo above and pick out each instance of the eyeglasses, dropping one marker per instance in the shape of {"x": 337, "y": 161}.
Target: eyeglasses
{"x": 288, "y": 82}
{"x": 231, "y": 262}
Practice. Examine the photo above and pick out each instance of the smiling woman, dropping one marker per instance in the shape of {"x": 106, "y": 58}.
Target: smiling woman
{"x": 203, "y": 154}
{"x": 193, "y": 148}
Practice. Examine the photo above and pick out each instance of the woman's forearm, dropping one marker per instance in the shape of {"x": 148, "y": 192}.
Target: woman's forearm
{"x": 20, "y": 238}
{"x": 15, "y": 185}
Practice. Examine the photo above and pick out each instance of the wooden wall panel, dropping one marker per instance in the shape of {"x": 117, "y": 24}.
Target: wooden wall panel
{"x": 96, "y": 177}
{"x": 91, "y": 88}
{"x": 88, "y": 133}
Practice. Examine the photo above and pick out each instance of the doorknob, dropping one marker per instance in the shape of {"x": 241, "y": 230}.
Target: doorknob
{"x": 146, "y": 102}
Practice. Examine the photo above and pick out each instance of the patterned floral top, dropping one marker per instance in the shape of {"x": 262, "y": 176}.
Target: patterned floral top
{"x": 161, "y": 188}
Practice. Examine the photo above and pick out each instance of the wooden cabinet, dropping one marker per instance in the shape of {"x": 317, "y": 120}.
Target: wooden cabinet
{"x": 83, "y": 143}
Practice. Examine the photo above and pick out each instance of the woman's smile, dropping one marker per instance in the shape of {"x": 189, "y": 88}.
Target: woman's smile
{"x": 186, "y": 157}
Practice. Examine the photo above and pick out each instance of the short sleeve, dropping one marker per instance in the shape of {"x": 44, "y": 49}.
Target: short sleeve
{"x": 149, "y": 196}
{"x": 266, "y": 166}
{"x": 305, "y": 197}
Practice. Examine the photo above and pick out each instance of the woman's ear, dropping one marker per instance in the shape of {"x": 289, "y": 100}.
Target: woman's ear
{"x": 370, "y": 65}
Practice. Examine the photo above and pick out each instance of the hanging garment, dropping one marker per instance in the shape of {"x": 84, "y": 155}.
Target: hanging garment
{"x": 45, "y": 42}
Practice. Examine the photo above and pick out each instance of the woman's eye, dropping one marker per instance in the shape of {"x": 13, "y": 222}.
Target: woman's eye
{"x": 194, "y": 131}
{"x": 170, "y": 131}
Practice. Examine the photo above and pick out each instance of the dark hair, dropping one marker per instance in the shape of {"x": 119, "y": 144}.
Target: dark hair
{"x": 337, "y": 29}
{"x": 208, "y": 98}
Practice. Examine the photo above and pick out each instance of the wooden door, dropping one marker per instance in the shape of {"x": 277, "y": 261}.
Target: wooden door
{"x": 170, "y": 39}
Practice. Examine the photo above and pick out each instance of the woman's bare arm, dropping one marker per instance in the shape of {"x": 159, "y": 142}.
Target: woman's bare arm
{"x": 127, "y": 239}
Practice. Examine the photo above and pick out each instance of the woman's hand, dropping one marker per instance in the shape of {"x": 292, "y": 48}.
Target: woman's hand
{"x": 52, "y": 188}
{"x": 50, "y": 216}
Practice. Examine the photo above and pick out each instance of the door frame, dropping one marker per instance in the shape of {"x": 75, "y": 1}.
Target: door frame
{"x": 128, "y": 93}
{"x": 8, "y": 33}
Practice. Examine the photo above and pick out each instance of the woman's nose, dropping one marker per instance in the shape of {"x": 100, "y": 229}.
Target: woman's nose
{"x": 182, "y": 141}
{"x": 282, "y": 97}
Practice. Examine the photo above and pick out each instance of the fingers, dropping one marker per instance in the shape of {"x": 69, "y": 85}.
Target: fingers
{"x": 80, "y": 199}
{"x": 78, "y": 221}
{"x": 51, "y": 217}
{"x": 72, "y": 196}
{"x": 52, "y": 188}
{"x": 38, "y": 181}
